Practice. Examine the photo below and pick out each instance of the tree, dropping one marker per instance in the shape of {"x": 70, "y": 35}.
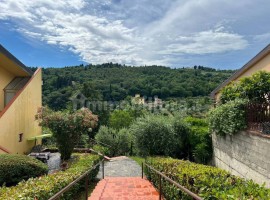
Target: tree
{"x": 120, "y": 119}
{"x": 159, "y": 135}
{"x": 114, "y": 82}
{"x": 254, "y": 88}
{"x": 67, "y": 128}
{"x": 119, "y": 140}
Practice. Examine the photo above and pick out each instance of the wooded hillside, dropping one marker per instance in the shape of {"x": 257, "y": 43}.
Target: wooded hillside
{"x": 115, "y": 82}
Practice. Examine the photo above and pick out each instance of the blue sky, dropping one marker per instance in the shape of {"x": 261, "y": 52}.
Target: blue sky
{"x": 224, "y": 34}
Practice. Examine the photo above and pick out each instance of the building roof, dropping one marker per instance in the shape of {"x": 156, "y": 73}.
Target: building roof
{"x": 18, "y": 65}
{"x": 239, "y": 72}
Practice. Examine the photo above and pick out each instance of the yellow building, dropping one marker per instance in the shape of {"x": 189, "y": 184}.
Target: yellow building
{"x": 245, "y": 153}
{"x": 138, "y": 99}
{"x": 260, "y": 62}
{"x": 20, "y": 99}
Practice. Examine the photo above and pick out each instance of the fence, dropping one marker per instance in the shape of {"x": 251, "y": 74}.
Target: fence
{"x": 162, "y": 176}
{"x": 258, "y": 117}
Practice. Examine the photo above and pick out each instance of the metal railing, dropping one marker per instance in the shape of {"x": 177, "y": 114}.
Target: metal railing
{"x": 84, "y": 175}
{"x": 258, "y": 117}
{"x": 161, "y": 175}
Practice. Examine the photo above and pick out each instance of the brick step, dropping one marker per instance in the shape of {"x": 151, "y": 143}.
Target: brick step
{"x": 128, "y": 188}
{"x": 97, "y": 192}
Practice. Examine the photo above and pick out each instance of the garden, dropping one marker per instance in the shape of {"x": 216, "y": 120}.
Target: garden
{"x": 24, "y": 177}
{"x": 175, "y": 142}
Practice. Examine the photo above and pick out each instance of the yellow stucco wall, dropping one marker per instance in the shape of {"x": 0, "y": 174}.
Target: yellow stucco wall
{"x": 262, "y": 65}
{"x": 5, "y": 78}
{"x": 20, "y": 118}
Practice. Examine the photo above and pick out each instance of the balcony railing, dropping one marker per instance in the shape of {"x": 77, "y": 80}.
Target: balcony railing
{"x": 258, "y": 117}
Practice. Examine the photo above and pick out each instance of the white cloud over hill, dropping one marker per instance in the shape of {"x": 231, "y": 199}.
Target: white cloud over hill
{"x": 139, "y": 31}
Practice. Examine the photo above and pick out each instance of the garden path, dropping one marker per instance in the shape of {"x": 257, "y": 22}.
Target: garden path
{"x": 120, "y": 167}
{"x": 123, "y": 181}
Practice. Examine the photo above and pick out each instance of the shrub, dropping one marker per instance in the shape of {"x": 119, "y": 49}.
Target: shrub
{"x": 106, "y": 136}
{"x": 159, "y": 135}
{"x": 182, "y": 132}
{"x": 199, "y": 139}
{"x": 153, "y": 135}
{"x": 102, "y": 149}
{"x": 120, "y": 141}
{"x": 187, "y": 138}
{"x": 15, "y": 168}
{"x": 121, "y": 119}
{"x": 206, "y": 181}
{"x": 254, "y": 88}
{"x": 45, "y": 187}
{"x": 67, "y": 128}
{"x": 228, "y": 118}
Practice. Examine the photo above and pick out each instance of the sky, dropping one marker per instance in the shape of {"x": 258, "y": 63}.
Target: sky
{"x": 224, "y": 34}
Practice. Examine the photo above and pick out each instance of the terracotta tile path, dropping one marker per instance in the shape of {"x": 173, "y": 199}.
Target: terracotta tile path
{"x": 123, "y": 182}
{"x": 120, "y": 188}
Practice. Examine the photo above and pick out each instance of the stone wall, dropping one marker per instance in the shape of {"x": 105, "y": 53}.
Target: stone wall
{"x": 245, "y": 154}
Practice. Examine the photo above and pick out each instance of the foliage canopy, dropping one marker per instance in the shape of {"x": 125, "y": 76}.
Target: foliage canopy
{"x": 114, "y": 82}
{"x": 120, "y": 119}
{"x": 228, "y": 118}
{"x": 254, "y": 88}
{"x": 120, "y": 141}
{"x": 67, "y": 127}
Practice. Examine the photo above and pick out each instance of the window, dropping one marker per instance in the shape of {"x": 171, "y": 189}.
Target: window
{"x": 20, "y": 137}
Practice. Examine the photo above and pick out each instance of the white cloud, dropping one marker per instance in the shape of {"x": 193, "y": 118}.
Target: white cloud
{"x": 211, "y": 41}
{"x": 265, "y": 37}
{"x": 132, "y": 31}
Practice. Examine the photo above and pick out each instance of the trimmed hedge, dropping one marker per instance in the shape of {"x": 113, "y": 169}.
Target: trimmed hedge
{"x": 15, "y": 168}
{"x": 206, "y": 181}
{"x": 43, "y": 188}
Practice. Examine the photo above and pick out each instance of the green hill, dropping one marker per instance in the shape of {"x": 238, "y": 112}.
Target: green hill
{"x": 114, "y": 82}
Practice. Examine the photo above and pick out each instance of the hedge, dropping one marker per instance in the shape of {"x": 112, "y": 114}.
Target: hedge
{"x": 15, "y": 168}
{"x": 228, "y": 118}
{"x": 44, "y": 187}
{"x": 206, "y": 181}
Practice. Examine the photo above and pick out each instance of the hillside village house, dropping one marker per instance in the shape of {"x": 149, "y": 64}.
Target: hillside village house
{"x": 246, "y": 153}
{"x": 148, "y": 103}
{"x": 20, "y": 99}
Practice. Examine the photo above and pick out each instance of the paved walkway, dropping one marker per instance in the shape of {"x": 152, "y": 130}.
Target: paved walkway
{"x": 123, "y": 182}
{"x": 54, "y": 162}
{"x": 121, "y": 167}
